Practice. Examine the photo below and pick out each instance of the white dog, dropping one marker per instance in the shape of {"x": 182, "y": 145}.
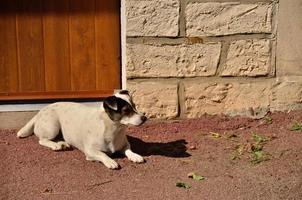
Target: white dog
{"x": 95, "y": 131}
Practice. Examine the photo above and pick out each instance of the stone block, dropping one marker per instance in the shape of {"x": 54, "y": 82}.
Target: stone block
{"x": 152, "y": 17}
{"x": 172, "y": 60}
{"x": 228, "y": 97}
{"x": 156, "y": 99}
{"x": 248, "y": 58}
{"x": 215, "y": 19}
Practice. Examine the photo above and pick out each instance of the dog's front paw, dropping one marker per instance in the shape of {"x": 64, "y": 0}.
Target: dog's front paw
{"x": 136, "y": 158}
{"x": 63, "y": 145}
{"x": 59, "y": 146}
{"x": 111, "y": 164}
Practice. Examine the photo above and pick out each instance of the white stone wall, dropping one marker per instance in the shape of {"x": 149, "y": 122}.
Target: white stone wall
{"x": 186, "y": 58}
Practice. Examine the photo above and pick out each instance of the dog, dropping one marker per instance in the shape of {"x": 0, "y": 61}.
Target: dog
{"x": 97, "y": 132}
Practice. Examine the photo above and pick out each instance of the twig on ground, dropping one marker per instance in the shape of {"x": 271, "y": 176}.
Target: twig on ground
{"x": 98, "y": 184}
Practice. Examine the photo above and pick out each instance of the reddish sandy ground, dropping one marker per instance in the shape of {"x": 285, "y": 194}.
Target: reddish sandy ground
{"x": 221, "y": 149}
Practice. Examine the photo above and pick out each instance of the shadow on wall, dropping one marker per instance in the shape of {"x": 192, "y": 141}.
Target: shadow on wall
{"x": 39, "y": 7}
{"x": 175, "y": 149}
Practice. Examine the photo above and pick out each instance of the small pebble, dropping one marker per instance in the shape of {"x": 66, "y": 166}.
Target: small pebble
{"x": 192, "y": 147}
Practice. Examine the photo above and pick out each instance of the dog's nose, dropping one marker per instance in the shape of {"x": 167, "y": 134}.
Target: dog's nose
{"x": 143, "y": 118}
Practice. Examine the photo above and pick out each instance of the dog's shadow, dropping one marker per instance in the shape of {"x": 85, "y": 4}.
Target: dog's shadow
{"x": 175, "y": 149}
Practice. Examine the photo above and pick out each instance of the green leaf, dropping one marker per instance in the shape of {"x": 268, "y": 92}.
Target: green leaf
{"x": 260, "y": 156}
{"x": 258, "y": 138}
{"x": 256, "y": 147}
{"x": 257, "y": 157}
{"x": 296, "y": 127}
{"x": 182, "y": 185}
{"x": 234, "y": 157}
{"x": 232, "y": 135}
{"x": 238, "y": 151}
{"x": 215, "y": 135}
{"x": 268, "y": 120}
{"x": 195, "y": 176}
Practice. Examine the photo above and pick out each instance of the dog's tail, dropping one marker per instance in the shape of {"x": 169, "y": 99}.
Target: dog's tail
{"x": 28, "y": 129}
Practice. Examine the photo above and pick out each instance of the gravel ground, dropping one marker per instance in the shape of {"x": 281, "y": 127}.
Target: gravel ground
{"x": 236, "y": 158}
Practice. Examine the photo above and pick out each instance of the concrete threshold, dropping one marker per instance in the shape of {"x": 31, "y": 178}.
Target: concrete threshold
{"x": 15, "y": 120}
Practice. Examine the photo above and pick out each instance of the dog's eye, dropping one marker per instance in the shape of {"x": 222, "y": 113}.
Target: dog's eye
{"x": 126, "y": 110}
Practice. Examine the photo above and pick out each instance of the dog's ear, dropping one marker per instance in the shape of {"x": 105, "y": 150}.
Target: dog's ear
{"x": 111, "y": 108}
{"x": 124, "y": 92}
{"x": 110, "y": 103}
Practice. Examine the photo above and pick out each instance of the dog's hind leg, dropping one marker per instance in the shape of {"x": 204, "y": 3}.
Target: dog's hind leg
{"x": 47, "y": 128}
{"x": 56, "y": 146}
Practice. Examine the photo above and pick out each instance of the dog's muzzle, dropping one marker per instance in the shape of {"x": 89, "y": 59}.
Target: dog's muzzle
{"x": 143, "y": 118}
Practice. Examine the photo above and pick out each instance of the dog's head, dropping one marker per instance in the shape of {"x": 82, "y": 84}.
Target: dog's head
{"x": 120, "y": 108}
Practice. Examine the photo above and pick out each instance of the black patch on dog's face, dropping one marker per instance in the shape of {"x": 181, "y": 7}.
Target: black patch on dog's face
{"x": 116, "y": 108}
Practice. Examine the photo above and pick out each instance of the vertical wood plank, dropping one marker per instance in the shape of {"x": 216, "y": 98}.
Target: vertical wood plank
{"x": 30, "y": 45}
{"x": 82, "y": 45}
{"x": 108, "y": 44}
{"x": 56, "y": 45}
{"x": 8, "y": 48}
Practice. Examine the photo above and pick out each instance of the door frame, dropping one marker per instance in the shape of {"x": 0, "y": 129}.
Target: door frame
{"x": 123, "y": 20}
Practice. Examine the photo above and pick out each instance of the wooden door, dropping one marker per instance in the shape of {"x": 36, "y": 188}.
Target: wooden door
{"x": 52, "y": 49}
